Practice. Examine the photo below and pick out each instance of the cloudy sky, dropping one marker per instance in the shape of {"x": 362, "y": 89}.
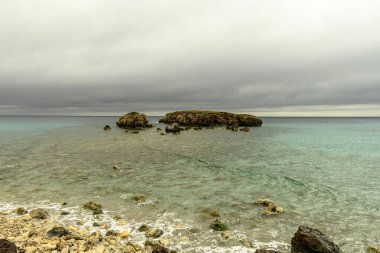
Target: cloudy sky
{"x": 269, "y": 57}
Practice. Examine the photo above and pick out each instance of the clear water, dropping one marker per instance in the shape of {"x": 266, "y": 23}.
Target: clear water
{"x": 324, "y": 172}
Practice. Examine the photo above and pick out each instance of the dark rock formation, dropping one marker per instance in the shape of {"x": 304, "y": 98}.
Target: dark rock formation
{"x": 309, "y": 240}
{"x": 7, "y": 246}
{"x": 57, "y": 231}
{"x": 162, "y": 249}
{"x": 133, "y": 120}
{"x": 106, "y": 128}
{"x": 39, "y": 213}
{"x": 175, "y": 130}
{"x": 210, "y": 118}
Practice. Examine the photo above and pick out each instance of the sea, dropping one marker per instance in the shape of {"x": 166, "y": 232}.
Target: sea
{"x": 324, "y": 173}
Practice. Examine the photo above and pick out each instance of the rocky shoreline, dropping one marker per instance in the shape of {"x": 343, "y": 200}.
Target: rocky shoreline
{"x": 35, "y": 231}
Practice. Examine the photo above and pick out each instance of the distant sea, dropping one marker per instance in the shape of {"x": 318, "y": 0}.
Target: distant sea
{"x": 324, "y": 172}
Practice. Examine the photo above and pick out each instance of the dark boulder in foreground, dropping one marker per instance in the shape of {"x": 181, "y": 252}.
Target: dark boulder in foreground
{"x": 133, "y": 120}
{"x": 7, "y": 246}
{"x": 210, "y": 118}
{"x": 309, "y": 240}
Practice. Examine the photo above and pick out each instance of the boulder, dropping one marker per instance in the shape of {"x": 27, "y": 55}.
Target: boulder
{"x": 150, "y": 231}
{"x": 133, "y": 120}
{"x": 39, "y": 213}
{"x": 210, "y": 119}
{"x": 7, "y": 246}
{"x": 310, "y": 240}
{"x": 106, "y": 128}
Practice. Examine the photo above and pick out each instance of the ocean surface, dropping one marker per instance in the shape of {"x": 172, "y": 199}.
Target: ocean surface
{"x": 324, "y": 172}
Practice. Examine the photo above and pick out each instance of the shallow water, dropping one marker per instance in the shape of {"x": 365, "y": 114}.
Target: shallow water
{"x": 323, "y": 171}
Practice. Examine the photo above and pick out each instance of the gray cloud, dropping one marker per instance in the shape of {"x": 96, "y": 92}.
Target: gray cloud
{"x": 113, "y": 56}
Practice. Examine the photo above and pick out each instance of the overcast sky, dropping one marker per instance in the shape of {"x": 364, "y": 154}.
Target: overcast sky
{"x": 269, "y": 57}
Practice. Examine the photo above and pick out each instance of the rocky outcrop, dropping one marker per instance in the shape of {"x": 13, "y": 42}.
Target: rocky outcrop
{"x": 133, "y": 120}
{"x": 210, "y": 118}
{"x": 271, "y": 207}
{"x": 309, "y": 240}
{"x": 7, "y": 246}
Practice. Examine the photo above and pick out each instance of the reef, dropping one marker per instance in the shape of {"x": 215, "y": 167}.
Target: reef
{"x": 210, "y": 119}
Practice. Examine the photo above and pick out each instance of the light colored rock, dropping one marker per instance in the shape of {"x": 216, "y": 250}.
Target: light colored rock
{"x": 124, "y": 234}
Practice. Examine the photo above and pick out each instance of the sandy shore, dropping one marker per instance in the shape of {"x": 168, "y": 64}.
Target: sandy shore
{"x": 35, "y": 235}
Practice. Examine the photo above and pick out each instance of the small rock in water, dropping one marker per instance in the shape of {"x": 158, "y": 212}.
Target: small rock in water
{"x": 161, "y": 249}
{"x": 115, "y": 167}
{"x": 20, "y": 211}
{"x": 311, "y": 240}
{"x": 57, "y": 231}
{"x": 271, "y": 209}
{"x": 247, "y": 243}
{"x": 139, "y": 198}
{"x": 111, "y": 233}
{"x": 7, "y": 246}
{"x": 217, "y": 225}
{"x": 211, "y": 212}
{"x": 123, "y": 234}
{"x": 373, "y": 249}
{"x": 106, "y": 128}
{"x": 65, "y": 213}
{"x": 244, "y": 129}
{"x": 94, "y": 207}
{"x": 39, "y": 213}
{"x": 150, "y": 231}
{"x": 154, "y": 233}
{"x": 96, "y": 224}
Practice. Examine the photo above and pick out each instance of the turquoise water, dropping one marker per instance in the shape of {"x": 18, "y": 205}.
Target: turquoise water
{"x": 323, "y": 171}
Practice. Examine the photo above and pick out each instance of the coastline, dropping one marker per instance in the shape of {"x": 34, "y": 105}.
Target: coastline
{"x": 109, "y": 233}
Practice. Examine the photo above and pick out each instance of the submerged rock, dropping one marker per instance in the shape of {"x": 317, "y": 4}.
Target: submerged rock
{"x": 210, "y": 119}
{"x": 57, "y": 231}
{"x": 39, "y": 213}
{"x": 309, "y": 240}
{"x": 7, "y": 246}
{"x": 162, "y": 249}
{"x": 373, "y": 249}
{"x": 244, "y": 129}
{"x": 217, "y": 225}
{"x": 150, "y": 231}
{"x": 139, "y": 198}
{"x": 133, "y": 120}
{"x": 94, "y": 207}
{"x": 272, "y": 208}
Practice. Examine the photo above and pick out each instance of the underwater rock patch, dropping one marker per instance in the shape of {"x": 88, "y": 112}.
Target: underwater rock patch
{"x": 271, "y": 207}
{"x": 217, "y": 225}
